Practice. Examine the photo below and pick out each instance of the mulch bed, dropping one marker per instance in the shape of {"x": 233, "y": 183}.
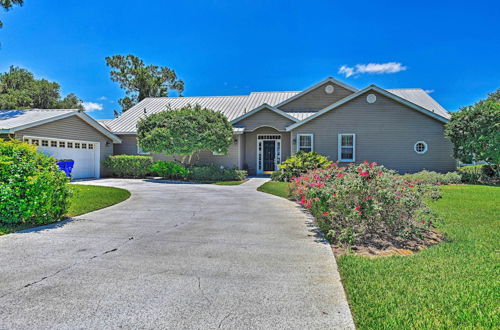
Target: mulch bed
{"x": 381, "y": 247}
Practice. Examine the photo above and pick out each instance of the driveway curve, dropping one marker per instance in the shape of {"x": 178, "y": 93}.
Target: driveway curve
{"x": 174, "y": 256}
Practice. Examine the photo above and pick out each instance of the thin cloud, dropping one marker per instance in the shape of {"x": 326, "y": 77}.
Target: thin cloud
{"x": 428, "y": 91}
{"x": 372, "y": 68}
{"x": 92, "y": 106}
{"x": 103, "y": 98}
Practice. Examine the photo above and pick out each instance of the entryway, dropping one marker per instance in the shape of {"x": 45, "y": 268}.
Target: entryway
{"x": 268, "y": 153}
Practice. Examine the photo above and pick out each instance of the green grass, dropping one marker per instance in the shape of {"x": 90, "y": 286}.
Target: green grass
{"x": 275, "y": 188}
{"x": 228, "y": 183}
{"x": 451, "y": 285}
{"x": 84, "y": 199}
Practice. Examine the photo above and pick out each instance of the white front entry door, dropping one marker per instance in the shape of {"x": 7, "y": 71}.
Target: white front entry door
{"x": 85, "y": 154}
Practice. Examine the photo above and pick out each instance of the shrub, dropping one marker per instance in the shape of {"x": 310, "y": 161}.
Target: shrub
{"x": 434, "y": 178}
{"x": 32, "y": 187}
{"x": 169, "y": 170}
{"x": 127, "y": 166}
{"x": 299, "y": 163}
{"x": 365, "y": 201}
{"x": 485, "y": 174}
{"x": 214, "y": 173}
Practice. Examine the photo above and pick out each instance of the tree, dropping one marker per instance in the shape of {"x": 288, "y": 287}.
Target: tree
{"x": 20, "y": 90}
{"x": 475, "y": 131}
{"x": 140, "y": 81}
{"x": 8, "y": 4}
{"x": 185, "y": 132}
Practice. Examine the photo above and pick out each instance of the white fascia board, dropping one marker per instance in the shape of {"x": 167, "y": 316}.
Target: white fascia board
{"x": 324, "y": 81}
{"x": 367, "y": 89}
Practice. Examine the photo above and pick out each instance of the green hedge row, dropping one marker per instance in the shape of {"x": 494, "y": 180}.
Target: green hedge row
{"x": 127, "y": 166}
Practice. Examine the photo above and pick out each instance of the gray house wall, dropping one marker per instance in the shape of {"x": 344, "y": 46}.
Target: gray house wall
{"x": 386, "y": 132}
{"x": 265, "y": 117}
{"x": 72, "y": 128}
{"x": 317, "y": 99}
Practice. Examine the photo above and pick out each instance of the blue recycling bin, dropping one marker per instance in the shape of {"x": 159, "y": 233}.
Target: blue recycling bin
{"x": 66, "y": 165}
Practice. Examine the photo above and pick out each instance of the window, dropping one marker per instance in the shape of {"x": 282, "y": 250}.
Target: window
{"x": 35, "y": 142}
{"x": 77, "y": 145}
{"x": 420, "y": 147}
{"x": 70, "y": 144}
{"x": 53, "y": 144}
{"x": 45, "y": 143}
{"x": 62, "y": 144}
{"x": 305, "y": 142}
{"x": 84, "y": 146}
{"x": 91, "y": 146}
{"x": 347, "y": 147}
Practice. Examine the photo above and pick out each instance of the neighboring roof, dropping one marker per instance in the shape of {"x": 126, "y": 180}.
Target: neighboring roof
{"x": 15, "y": 120}
{"x": 421, "y": 98}
{"x": 231, "y": 106}
{"x": 262, "y": 107}
{"x": 367, "y": 89}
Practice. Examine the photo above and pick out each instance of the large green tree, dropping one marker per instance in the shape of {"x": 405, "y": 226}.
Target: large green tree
{"x": 475, "y": 131}
{"x": 185, "y": 132}
{"x": 19, "y": 89}
{"x": 8, "y": 4}
{"x": 140, "y": 80}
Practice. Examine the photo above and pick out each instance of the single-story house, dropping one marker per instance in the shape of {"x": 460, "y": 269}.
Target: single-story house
{"x": 402, "y": 129}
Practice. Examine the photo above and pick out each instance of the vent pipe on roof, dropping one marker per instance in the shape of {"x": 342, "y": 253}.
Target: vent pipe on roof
{"x": 145, "y": 112}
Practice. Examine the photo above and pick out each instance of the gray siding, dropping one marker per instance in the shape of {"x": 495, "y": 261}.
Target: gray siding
{"x": 231, "y": 160}
{"x": 386, "y": 132}
{"x": 265, "y": 117}
{"x": 317, "y": 99}
{"x": 72, "y": 128}
{"x": 250, "y": 161}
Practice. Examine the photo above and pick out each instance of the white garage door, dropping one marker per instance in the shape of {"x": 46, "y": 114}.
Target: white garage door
{"x": 84, "y": 153}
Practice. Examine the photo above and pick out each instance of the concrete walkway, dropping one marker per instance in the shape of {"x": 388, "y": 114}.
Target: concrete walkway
{"x": 174, "y": 256}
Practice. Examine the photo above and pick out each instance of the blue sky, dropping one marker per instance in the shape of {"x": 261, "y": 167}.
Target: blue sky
{"x": 234, "y": 47}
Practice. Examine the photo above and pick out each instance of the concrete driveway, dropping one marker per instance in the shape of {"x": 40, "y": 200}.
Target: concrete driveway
{"x": 174, "y": 256}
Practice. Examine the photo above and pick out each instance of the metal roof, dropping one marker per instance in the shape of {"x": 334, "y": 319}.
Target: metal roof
{"x": 12, "y": 119}
{"x": 235, "y": 106}
{"x": 421, "y": 98}
{"x": 231, "y": 106}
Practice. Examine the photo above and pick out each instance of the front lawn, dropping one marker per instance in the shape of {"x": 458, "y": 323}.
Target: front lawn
{"x": 275, "y": 188}
{"x": 228, "y": 183}
{"x": 451, "y": 285}
{"x": 84, "y": 199}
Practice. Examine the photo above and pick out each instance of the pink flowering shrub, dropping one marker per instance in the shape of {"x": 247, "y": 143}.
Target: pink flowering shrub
{"x": 366, "y": 201}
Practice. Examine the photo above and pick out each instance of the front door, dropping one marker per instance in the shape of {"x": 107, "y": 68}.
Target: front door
{"x": 269, "y": 156}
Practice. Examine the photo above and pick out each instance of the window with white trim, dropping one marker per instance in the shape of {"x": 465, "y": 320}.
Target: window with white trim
{"x": 420, "y": 147}
{"x": 305, "y": 142}
{"x": 347, "y": 147}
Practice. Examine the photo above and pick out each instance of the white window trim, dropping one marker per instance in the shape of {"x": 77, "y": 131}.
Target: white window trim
{"x": 339, "y": 148}
{"x": 305, "y": 134}
{"x": 420, "y": 152}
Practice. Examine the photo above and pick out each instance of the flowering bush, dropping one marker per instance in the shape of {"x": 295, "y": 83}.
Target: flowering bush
{"x": 366, "y": 201}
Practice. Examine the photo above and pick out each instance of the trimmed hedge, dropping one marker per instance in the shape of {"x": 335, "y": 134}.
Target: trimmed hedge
{"x": 169, "y": 170}
{"x": 214, "y": 173}
{"x": 480, "y": 174}
{"x": 128, "y": 166}
{"x": 434, "y": 178}
{"x": 32, "y": 187}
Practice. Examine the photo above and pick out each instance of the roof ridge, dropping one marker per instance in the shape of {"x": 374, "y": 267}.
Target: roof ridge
{"x": 185, "y": 97}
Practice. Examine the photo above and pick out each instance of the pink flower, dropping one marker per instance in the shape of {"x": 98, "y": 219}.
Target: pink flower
{"x": 308, "y": 204}
{"x": 326, "y": 213}
{"x": 365, "y": 174}
{"x": 334, "y": 195}
{"x": 373, "y": 164}
{"x": 410, "y": 186}
{"x": 379, "y": 173}
{"x": 340, "y": 175}
{"x": 316, "y": 199}
{"x": 358, "y": 208}
{"x": 367, "y": 198}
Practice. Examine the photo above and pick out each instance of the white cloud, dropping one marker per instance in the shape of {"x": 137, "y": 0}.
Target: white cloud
{"x": 103, "y": 98}
{"x": 428, "y": 91}
{"x": 372, "y": 68}
{"x": 91, "y": 106}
